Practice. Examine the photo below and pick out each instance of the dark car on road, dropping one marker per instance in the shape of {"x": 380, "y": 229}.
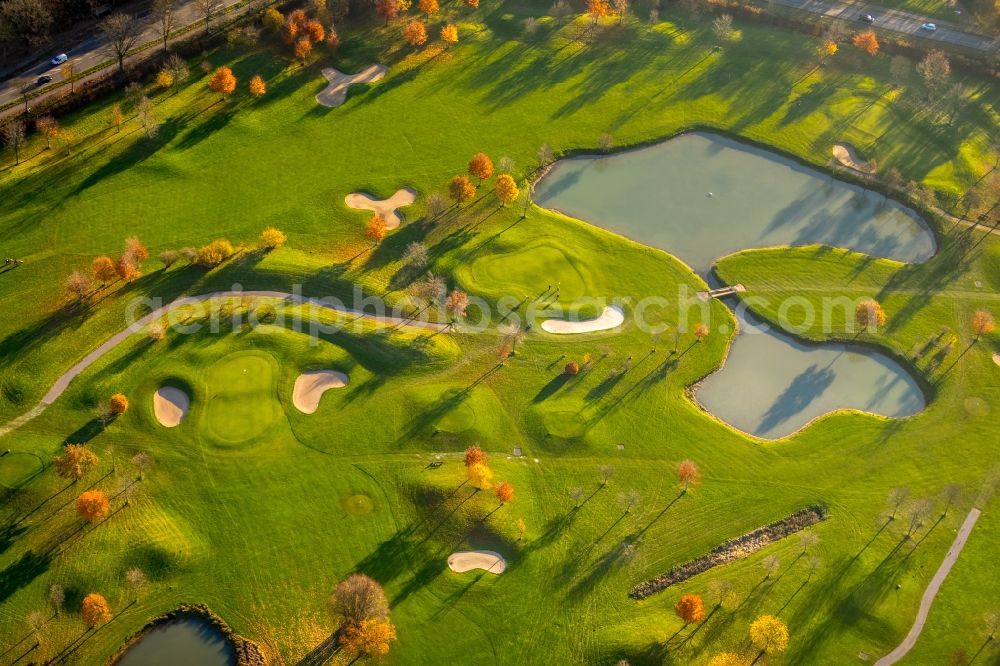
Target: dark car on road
{"x": 868, "y": 18}
{"x": 42, "y": 80}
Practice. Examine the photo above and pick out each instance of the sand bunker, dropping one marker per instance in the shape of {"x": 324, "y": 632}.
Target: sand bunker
{"x": 311, "y": 385}
{"x": 845, "y": 154}
{"x": 335, "y": 94}
{"x": 170, "y": 404}
{"x": 611, "y": 317}
{"x": 996, "y": 358}
{"x": 384, "y": 207}
{"x": 468, "y": 560}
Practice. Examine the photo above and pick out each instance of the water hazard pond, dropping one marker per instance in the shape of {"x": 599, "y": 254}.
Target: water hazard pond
{"x": 701, "y": 196}
{"x": 188, "y": 641}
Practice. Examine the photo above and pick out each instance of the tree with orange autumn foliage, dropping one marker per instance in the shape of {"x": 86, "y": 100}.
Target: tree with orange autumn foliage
{"x": 690, "y": 609}
{"x": 95, "y": 610}
{"x": 505, "y": 491}
{"x": 429, "y": 6}
{"x": 223, "y": 82}
{"x": 869, "y": 315}
{"x": 688, "y": 474}
{"x": 257, "y": 86}
{"x": 75, "y": 462}
{"x": 474, "y": 455}
{"x": 371, "y": 637}
{"x": 289, "y": 32}
{"x": 572, "y": 368}
{"x": 480, "y": 476}
{"x": 481, "y": 166}
{"x": 92, "y": 505}
{"x": 104, "y": 270}
{"x": 457, "y": 302}
{"x": 303, "y": 48}
{"x": 866, "y": 41}
{"x": 983, "y": 323}
{"x": 598, "y": 9}
{"x": 449, "y": 33}
{"x": 473, "y": 4}
{"x": 118, "y": 404}
{"x": 314, "y": 29}
{"x": 461, "y": 189}
{"x": 376, "y": 230}
{"x": 415, "y": 33}
{"x": 506, "y": 189}
{"x": 700, "y": 331}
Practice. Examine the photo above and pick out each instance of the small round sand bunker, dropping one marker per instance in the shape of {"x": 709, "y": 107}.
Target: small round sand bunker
{"x": 312, "y": 384}
{"x": 170, "y": 404}
{"x": 467, "y": 560}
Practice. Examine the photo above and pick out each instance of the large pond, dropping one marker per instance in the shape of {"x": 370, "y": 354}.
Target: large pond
{"x": 700, "y": 197}
{"x": 188, "y": 642}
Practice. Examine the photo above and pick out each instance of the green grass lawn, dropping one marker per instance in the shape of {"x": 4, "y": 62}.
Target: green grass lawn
{"x": 258, "y": 510}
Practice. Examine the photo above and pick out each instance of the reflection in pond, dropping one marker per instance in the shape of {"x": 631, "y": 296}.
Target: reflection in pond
{"x": 185, "y": 642}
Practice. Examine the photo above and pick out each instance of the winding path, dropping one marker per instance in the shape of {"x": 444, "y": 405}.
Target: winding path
{"x": 63, "y": 382}
{"x": 932, "y": 590}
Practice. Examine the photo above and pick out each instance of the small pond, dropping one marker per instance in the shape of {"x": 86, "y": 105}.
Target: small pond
{"x": 187, "y": 642}
{"x": 700, "y": 197}
{"x": 772, "y": 384}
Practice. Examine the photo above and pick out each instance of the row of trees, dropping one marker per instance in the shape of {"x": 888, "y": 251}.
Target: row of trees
{"x": 480, "y": 474}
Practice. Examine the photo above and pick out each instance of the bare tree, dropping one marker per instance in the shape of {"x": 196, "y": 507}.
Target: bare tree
{"x": 146, "y": 115}
{"x": 68, "y": 71}
{"x": 121, "y": 32}
{"x": 163, "y": 13}
{"x": 951, "y": 494}
{"x": 36, "y": 621}
{"x": 416, "y": 255}
{"x": 545, "y": 155}
{"x": 919, "y": 511}
{"x": 178, "y": 69}
{"x": 722, "y": 26}
{"x": 78, "y": 286}
{"x": 506, "y": 165}
{"x": 897, "y": 497}
{"x": 437, "y": 203}
{"x": 136, "y": 579}
{"x": 13, "y": 137}
{"x": 606, "y": 142}
{"x": 814, "y": 564}
{"x": 629, "y": 499}
{"x": 512, "y": 333}
{"x": 357, "y": 598}
{"x": 207, "y": 9}
{"x": 576, "y": 493}
{"x": 992, "y": 621}
{"x": 770, "y": 564}
{"x": 142, "y": 462}
{"x": 606, "y": 472}
{"x": 723, "y": 592}
{"x": 57, "y": 597}
{"x": 808, "y": 540}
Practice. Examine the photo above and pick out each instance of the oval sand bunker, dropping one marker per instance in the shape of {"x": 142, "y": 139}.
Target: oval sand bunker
{"x": 170, "y": 404}
{"x": 312, "y": 384}
{"x": 611, "y": 317}
{"x": 467, "y": 560}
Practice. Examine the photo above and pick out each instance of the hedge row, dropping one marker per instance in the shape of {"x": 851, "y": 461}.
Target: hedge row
{"x": 734, "y": 549}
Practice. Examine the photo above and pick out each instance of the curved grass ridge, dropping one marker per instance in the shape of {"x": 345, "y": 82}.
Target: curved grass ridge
{"x": 734, "y": 549}
{"x": 247, "y": 652}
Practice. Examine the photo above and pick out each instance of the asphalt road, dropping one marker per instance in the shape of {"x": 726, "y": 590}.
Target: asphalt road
{"x": 91, "y": 51}
{"x": 897, "y": 21}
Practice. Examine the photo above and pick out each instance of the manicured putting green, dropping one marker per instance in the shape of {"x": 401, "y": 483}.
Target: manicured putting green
{"x": 17, "y": 468}
{"x": 242, "y": 400}
{"x": 564, "y": 424}
{"x": 457, "y": 419}
{"x": 357, "y": 505}
{"x": 976, "y": 406}
{"x": 527, "y": 272}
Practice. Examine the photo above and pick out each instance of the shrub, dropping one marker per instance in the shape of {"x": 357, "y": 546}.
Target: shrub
{"x": 214, "y": 253}
{"x": 272, "y": 238}
{"x": 118, "y": 404}
{"x": 572, "y": 368}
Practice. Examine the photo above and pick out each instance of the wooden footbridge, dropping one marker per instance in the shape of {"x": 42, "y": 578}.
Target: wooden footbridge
{"x": 722, "y": 291}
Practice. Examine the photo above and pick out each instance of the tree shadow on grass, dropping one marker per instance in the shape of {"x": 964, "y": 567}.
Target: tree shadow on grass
{"x": 551, "y": 388}
{"x": 9, "y": 534}
{"x": 131, "y": 156}
{"x": 22, "y": 572}
{"x": 86, "y": 432}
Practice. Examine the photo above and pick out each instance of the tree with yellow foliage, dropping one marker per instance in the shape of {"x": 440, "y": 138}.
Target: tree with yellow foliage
{"x": 303, "y": 48}
{"x": 118, "y": 404}
{"x": 429, "y": 7}
{"x": 869, "y": 315}
{"x": 75, "y": 462}
{"x": 272, "y": 238}
{"x": 164, "y": 79}
{"x": 223, "y": 82}
{"x": 376, "y": 229}
{"x": 506, "y": 189}
{"x": 983, "y": 323}
{"x": 769, "y": 634}
{"x": 49, "y": 128}
{"x": 449, "y": 33}
{"x": 371, "y": 637}
{"x": 728, "y": 659}
{"x": 480, "y": 476}
{"x": 828, "y": 48}
{"x": 214, "y": 253}
{"x": 96, "y": 610}
{"x": 700, "y": 331}
{"x": 415, "y": 33}
{"x": 257, "y": 86}
{"x": 104, "y": 270}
